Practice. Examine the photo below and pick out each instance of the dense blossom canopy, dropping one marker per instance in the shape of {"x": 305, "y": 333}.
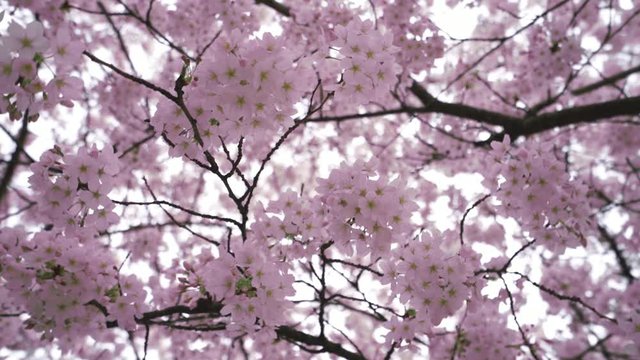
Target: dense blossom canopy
{"x": 271, "y": 179}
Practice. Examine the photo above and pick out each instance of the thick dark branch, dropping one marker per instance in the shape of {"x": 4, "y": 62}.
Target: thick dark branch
{"x": 534, "y": 124}
{"x": 581, "y": 114}
{"x": 292, "y": 335}
{"x": 206, "y": 306}
{"x": 281, "y": 8}
{"x": 431, "y": 104}
{"x": 11, "y": 315}
{"x": 203, "y": 306}
{"x": 15, "y": 157}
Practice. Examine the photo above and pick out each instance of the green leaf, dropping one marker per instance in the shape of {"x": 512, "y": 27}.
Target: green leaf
{"x": 44, "y": 275}
{"x": 244, "y": 286}
{"x": 410, "y": 313}
{"x": 113, "y": 293}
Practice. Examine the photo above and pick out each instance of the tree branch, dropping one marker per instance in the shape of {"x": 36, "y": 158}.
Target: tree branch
{"x": 181, "y": 208}
{"x": 292, "y": 335}
{"x": 133, "y": 78}
{"x": 15, "y": 157}
{"x": 281, "y": 8}
{"x": 610, "y": 80}
{"x": 515, "y": 126}
{"x": 207, "y": 306}
{"x": 464, "y": 217}
{"x": 625, "y": 269}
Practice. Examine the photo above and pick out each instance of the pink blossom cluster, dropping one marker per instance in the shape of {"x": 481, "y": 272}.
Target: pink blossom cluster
{"x": 550, "y": 54}
{"x": 202, "y": 21}
{"x": 368, "y": 61}
{"x": 24, "y": 54}
{"x": 236, "y": 264}
{"x": 196, "y": 18}
{"x": 65, "y": 284}
{"x": 314, "y": 23}
{"x": 627, "y": 313}
{"x": 430, "y": 282}
{"x": 244, "y": 89}
{"x": 146, "y": 244}
{"x": 52, "y": 11}
{"x": 485, "y": 336}
{"x": 537, "y": 191}
{"x": 292, "y": 225}
{"x": 355, "y": 207}
{"x": 365, "y": 209}
{"x": 482, "y": 334}
{"x": 416, "y": 37}
{"x": 251, "y": 283}
{"x": 566, "y": 280}
{"x": 71, "y": 190}
{"x": 12, "y": 334}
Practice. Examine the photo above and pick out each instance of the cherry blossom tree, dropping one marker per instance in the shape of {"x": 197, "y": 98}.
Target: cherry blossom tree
{"x": 320, "y": 179}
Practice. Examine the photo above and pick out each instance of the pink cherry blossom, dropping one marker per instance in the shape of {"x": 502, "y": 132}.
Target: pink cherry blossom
{"x": 318, "y": 179}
